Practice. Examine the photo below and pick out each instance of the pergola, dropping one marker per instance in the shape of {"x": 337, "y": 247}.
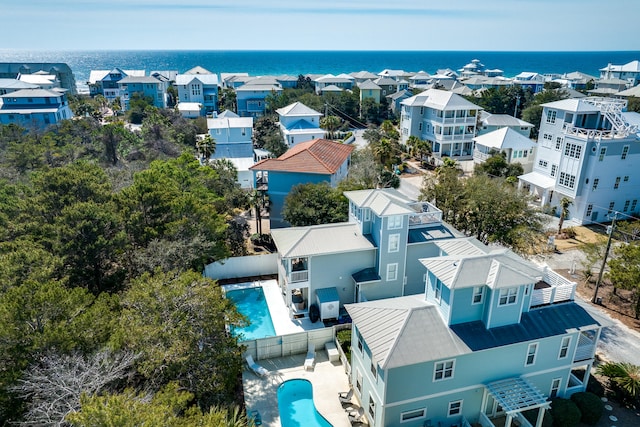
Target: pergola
{"x": 518, "y": 395}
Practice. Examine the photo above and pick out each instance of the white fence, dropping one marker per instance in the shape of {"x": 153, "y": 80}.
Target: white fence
{"x": 286, "y": 345}
{"x": 244, "y": 266}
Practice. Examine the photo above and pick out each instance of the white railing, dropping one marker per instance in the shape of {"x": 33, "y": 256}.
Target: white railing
{"x": 417, "y": 220}
{"x": 552, "y": 294}
{"x": 461, "y": 137}
{"x": 299, "y": 276}
{"x": 587, "y": 133}
{"x": 585, "y": 349}
{"x": 484, "y": 420}
{"x": 480, "y": 156}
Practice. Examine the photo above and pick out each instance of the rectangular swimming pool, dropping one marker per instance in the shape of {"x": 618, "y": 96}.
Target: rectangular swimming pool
{"x": 252, "y": 304}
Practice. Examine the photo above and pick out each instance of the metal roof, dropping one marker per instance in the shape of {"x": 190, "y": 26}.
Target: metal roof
{"x": 538, "y": 179}
{"x": 402, "y": 331}
{"x": 297, "y": 109}
{"x": 382, "y": 201}
{"x": 33, "y": 93}
{"x": 327, "y": 295}
{"x": 205, "y": 79}
{"x": 320, "y": 239}
{"x": 368, "y": 84}
{"x": 440, "y": 100}
{"x": 534, "y": 325}
{"x": 503, "y": 138}
{"x": 469, "y": 246}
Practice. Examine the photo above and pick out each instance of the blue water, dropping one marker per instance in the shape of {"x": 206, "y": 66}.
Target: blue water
{"x": 296, "y": 407}
{"x": 252, "y": 304}
{"x": 322, "y": 62}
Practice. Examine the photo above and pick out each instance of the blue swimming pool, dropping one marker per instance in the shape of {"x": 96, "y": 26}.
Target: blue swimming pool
{"x": 252, "y": 304}
{"x": 296, "y": 407}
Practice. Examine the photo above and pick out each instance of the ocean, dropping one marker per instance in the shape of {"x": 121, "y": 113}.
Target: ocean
{"x": 321, "y": 62}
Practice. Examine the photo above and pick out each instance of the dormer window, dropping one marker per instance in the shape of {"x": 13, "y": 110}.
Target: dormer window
{"x": 508, "y": 296}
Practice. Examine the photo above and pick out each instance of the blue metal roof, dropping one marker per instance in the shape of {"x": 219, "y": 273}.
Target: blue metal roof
{"x": 537, "y": 324}
{"x": 327, "y": 295}
{"x": 366, "y": 275}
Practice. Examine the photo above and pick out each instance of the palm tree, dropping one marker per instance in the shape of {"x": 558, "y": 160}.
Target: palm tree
{"x": 258, "y": 199}
{"x": 206, "y": 147}
{"x": 564, "y": 211}
{"x": 419, "y": 148}
{"x": 330, "y": 124}
{"x": 624, "y": 375}
{"x": 383, "y": 150}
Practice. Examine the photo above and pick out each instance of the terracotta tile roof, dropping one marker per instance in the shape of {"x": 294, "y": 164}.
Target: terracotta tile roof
{"x": 317, "y": 156}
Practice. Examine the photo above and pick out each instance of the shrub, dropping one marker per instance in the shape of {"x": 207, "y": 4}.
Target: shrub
{"x": 570, "y": 232}
{"x": 344, "y": 339}
{"x": 565, "y": 413}
{"x": 532, "y": 415}
{"x": 589, "y": 405}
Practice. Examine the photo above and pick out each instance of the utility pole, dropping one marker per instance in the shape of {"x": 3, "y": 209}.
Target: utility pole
{"x": 515, "y": 110}
{"x": 610, "y": 230}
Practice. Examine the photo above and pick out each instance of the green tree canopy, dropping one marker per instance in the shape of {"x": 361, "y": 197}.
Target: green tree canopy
{"x": 624, "y": 270}
{"x": 312, "y": 204}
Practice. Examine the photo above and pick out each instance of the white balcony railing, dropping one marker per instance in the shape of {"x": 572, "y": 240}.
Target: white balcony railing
{"x": 299, "y": 276}
{"x": 553, "y": 288}
{"x": 586, "y": 348}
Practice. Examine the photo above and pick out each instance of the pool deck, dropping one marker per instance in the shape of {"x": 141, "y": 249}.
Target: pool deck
{"x": 282, "y": 324}
{"x": 328, "y": 378}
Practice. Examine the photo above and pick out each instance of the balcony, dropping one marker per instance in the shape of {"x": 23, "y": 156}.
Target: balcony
{"x": 426, "y": 214}
{"x": 552, "y": 289}
{"x": 586, "y": 346}
{"x": 588, "y": 134}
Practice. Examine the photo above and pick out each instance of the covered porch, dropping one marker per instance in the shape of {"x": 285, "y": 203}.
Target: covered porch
{"x": 505, "y": 402}
{"x": 540, "y": 186}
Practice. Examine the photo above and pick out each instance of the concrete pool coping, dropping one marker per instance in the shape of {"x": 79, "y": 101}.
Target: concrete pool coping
{"x": 328, "y": 379}
{"x": 279, "y": 312}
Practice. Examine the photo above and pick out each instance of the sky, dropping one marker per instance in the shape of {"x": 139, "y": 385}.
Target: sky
{"x": 468, "y": 25}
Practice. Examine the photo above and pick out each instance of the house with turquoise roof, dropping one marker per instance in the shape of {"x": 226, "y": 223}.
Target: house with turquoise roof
{"x": 299, "y": 123}
{"x": 492, "y": 337}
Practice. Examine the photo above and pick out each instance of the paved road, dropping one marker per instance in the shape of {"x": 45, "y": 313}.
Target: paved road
{"x": 617, "y": 341}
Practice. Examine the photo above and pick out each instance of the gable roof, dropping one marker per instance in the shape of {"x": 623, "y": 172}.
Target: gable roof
{"x": 207, "y": 79}
{"x": 439, "y": 100}
{"x": 198, "y": 70}
{"x": 498, "y": 269}
{"x": 368, "y": 84}
{"x": 297, "y": 109}
{"x": 502, "y": 120}
{"x": 139, "y": 79}
{"x": 402, "y": 331}
{"x": 363, "y": 75}
{"x": 319, "y": 156}
{"x": 33, "y": 93}
{"x": 320, "y": 239}
{"x": 505, "y": 137}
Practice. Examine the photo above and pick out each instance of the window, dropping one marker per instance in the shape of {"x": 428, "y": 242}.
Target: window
{"x": 589, "y": 210}
{"x": 595, "y": 183}
{"x": 626, "y": 206}
{"x": 611, "y": 205}
{"x": 617, "y": 184}
{"x": 554, "y": 168}
{"x": 531, "y": 354}
{"x": 633, "y": 205}
{"x": 358, "y": 381}
{"x": 508, "y": 296}
{"x": 564, "y": 347}
{"x": 546, "y": 140}
{"x": 543, "y": 163}
{"x": 360, "y": 343}
{"x": 195, "y": 89}
{"x": 394, "y": 222}
{"x": 573, "y": 150}
{"x": 394, "y": 242}
{"x": 443, "y": 370}
{"x": 367, "y": 214}
{"x": 419, "y": 126}
{"x": 551, "y": 116}
{"x": 603, "y": 152}
{"x": 558, "y": 143}
{"x": 392, "y": 272}
{"x": 372, "y": 407}
{"x": 478, "y": 293}
{"x": 626, "y": 178}
{"x": 567, "y": 180}
{"x": 455, "y": 408}
{"x": 625, "y": 151}
{"x": 374, "y": 371}
{"x": 555, "y": 387}
{"x": 415, "y": 414}
{"x": 438, "y": 290}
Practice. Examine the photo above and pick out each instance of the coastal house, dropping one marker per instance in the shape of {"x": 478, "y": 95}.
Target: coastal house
{"x": 587, "y": 151}
{"x": 34, "y": 108}
{"x": 41, "y": 79}
{"x": 146, "y": 86}
{"x": 232, "y": 135}
{"x": 343, "y": 81}
{"x": 251, "y": 96}
{"x": 316, "y": 161}
{"x": 515, "y": 147}
{"x": 394, "y": 101}
{"x": 12, "y": 85}
{"x": 445, "y": 119}
{"x": 490, "y": 338}
{"x": 299, "y": 123}
{"x": 420, "y": 79}
{"x": 363, "y": 76}
{"x": 368, "y": 89}
{"x": 388, "y": 85}
{"x": 608, "y": 87}
{"x": 62, "y": 72}
{"x": 576, "y": 80}
{"x": 198, "y": 85}
{"x": 531, "y": 81}
{"x": 372, "y": 256}
{"x": 105, "y": 82}
{"x": 287, "y": 81}
{"x": 630, "y": 72}
{"x": 490, "y": 122}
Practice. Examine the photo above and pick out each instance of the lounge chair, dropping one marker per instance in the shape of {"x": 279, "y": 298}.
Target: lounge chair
{"x": 260, "y": 371}
{"x": 345, "y": 396}
{"x": 310, "y": 360}
{"x": 356, "y": 416}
